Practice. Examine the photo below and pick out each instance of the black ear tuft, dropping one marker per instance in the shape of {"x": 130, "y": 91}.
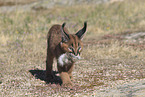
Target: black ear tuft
{"x": 65, "y": 36}
{"x": 81, "y": 32}
{"x": 63, "y": 25}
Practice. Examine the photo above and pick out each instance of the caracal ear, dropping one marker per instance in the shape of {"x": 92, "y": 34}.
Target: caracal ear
{"x": 65, "y": 36}
{"x": 81, "y": 32}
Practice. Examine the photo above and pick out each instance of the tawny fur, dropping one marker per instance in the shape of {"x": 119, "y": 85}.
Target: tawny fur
{"x": 59, "y": 42}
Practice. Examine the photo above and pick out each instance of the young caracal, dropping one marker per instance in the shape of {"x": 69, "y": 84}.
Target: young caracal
{"x": 66, "y": 48}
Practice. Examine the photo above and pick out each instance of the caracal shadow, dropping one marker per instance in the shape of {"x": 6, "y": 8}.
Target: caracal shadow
{"x": 40, "y": 74}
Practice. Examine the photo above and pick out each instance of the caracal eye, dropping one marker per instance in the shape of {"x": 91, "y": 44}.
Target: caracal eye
{"x": 78, "y": 44}
{"x": 70, "y": 48}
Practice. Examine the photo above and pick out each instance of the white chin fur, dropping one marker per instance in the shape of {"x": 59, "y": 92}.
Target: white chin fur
{"x": 67, "y": 58}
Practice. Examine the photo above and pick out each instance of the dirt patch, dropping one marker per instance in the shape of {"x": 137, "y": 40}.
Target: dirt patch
{"x": 138, "y": 37}
{"x": 136, "y": 88}
{"x": 37, "y": 5}
{"x": 15, "y": 2}
{"x": 135, "y": 39}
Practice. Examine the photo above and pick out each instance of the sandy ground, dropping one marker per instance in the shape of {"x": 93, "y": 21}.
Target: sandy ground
{"x": 135, "y": 88}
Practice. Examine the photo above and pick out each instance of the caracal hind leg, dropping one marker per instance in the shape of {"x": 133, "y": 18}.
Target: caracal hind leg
{"x": 49, "y": 63}
{"x": 71, "y": 77}
{"x": 66, "y": 82}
